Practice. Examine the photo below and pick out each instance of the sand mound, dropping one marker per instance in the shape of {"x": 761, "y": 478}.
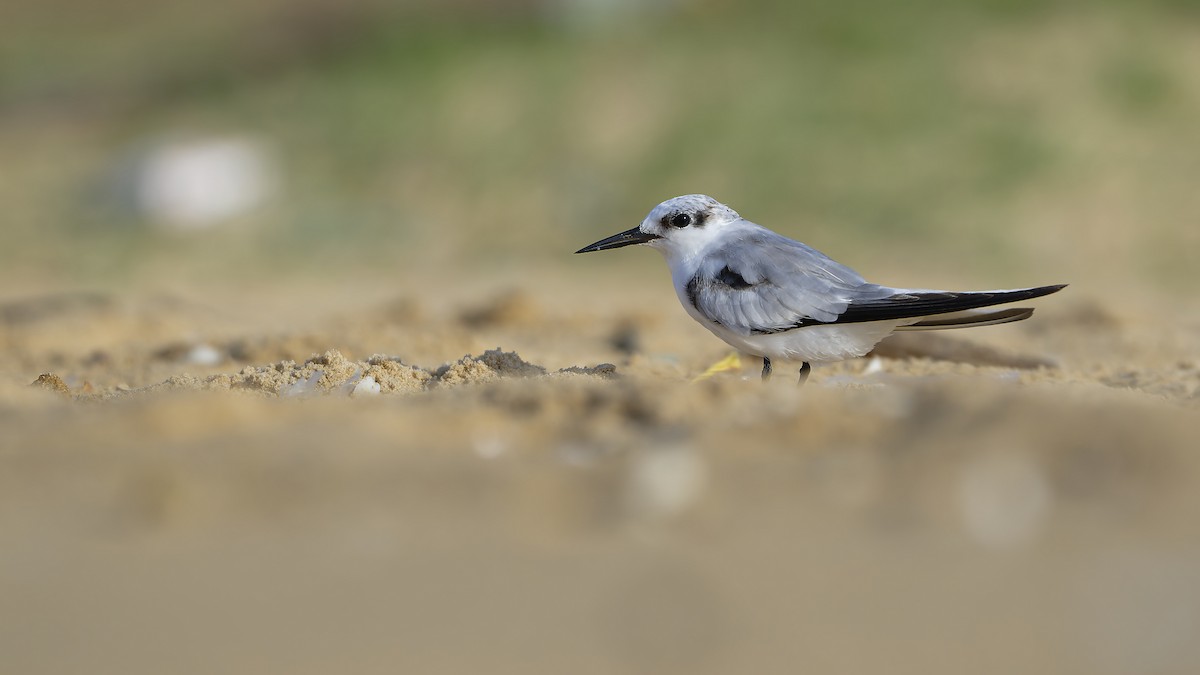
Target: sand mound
{"x": 333, "y": 373}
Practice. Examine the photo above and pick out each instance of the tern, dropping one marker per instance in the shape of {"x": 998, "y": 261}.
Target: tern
{"x": 776, "y": 298}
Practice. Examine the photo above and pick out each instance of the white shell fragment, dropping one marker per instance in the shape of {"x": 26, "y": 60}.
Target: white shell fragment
{"x": 367, "y": 386}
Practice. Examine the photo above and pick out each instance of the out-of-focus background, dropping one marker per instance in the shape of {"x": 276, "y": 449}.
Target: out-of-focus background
{"x": 178, "y": 142}
{"x": 228, "y": 226}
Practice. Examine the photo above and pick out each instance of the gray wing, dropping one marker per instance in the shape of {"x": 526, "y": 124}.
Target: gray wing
{"x": 764, "y": 283}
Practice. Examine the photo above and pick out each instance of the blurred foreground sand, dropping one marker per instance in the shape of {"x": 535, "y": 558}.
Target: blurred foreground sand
{"x": 913, "y": 515}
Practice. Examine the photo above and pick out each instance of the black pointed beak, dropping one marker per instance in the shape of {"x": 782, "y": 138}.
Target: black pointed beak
{"x": 626, "y": 238}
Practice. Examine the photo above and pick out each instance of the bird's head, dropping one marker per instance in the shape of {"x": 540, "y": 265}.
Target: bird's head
{"x": 677, "y": 227}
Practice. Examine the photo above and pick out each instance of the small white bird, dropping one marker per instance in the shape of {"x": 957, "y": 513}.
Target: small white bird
{"x": 774, "y": 297}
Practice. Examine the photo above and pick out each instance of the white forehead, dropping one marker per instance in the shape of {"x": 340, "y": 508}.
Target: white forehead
{"x": 690, "y": 204}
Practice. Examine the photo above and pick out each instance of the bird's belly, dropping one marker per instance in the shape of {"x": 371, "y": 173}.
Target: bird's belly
{"x": 815, "y": 344}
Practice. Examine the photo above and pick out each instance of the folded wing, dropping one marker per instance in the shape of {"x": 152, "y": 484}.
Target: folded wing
{"x": 766, "y": 283}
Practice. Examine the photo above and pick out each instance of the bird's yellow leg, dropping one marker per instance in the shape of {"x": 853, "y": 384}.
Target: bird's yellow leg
{"x": 731, "y": 362}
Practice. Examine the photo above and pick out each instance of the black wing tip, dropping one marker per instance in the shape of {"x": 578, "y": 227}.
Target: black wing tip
{"x": 1038, "y": 291}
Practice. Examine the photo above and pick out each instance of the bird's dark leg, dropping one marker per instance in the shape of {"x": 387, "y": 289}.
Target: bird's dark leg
{"x": 804, "y": 371}
{"x": 766, "y": 374}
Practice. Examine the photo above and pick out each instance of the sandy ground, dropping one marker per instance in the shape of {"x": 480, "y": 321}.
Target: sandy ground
{"x": 513, "y": 482}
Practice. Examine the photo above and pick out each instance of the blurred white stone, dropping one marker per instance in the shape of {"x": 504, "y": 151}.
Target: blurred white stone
{"x": 489, "y": 447}
{"x": 1004, "y": 499}
{"x": 203, "y": 355}
{"x": 196, "y": 184}
{"x": 664, "y": 482}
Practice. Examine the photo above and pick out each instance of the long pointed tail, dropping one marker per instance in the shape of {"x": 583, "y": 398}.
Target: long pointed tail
{"x": 971, "y": 319}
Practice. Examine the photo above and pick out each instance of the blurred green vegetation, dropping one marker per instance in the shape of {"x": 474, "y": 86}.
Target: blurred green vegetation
{"x": 422, "y": 135}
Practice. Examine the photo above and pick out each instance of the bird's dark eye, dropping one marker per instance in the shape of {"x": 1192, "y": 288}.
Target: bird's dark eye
{"x": 681, "y": 220}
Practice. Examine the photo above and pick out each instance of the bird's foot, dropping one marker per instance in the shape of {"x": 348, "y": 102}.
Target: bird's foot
{"x": 804, "y": 371}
